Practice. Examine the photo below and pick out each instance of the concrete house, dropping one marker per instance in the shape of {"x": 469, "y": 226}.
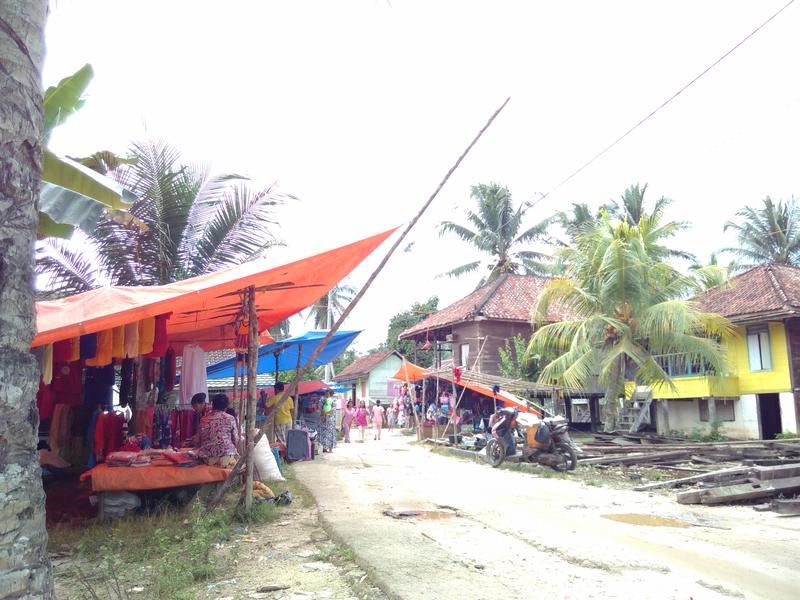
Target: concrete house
{"x": 759, "y": 396}
{"x": 370, "y": 376}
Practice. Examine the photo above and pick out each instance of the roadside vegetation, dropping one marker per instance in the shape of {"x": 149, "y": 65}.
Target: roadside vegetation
{"x": 162, "y": 555}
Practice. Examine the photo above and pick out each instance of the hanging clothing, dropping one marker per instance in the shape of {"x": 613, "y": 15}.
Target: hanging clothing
{"x": 67, "y": 385}
{"x": 169, "y": 369}
{"x": 62, "y": 351}
{"x": 47, "y": 364}
{"x": 98, "y": 386}
{"x": 160, "y": 341}
{"x": 44, "y": 400}
{"x": 126, "y": 382}
{"x": 193, "y": 375}
{"x": 76, "y": 349}
{"x": 107, "y": 434}
{"x": 131, "y": 343}
{"x": 118, "y": 342}
{"x": 104, "y": 347}
{"x": 147, "y": 331}
{"x": 88, "y": 345}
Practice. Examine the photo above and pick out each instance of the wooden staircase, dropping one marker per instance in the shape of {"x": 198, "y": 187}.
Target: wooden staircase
{"x": 635, "y": 410}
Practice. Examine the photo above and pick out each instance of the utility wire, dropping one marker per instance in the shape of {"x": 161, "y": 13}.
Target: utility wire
{"x": 663, "y": 104}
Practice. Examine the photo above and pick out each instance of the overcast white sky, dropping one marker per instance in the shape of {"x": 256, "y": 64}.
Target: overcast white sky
{"x": 359, "y": 108}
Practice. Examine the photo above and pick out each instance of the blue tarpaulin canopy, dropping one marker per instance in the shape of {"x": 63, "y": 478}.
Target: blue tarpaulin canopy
{"x": 283, "y": 355}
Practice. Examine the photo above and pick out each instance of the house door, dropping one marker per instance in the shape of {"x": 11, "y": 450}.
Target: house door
{"x": 769, "y": 415}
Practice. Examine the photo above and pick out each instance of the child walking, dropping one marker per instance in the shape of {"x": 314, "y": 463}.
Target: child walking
{"x": 361, "y": 418}
{"x": 377, "y": 418}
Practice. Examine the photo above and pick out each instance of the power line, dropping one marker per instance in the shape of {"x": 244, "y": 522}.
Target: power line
{"x": 663, "y": 104}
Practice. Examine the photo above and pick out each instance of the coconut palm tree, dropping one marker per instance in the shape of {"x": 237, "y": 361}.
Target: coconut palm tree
{"x": 336, "y": 300}
{"x": 496, "y": 230}
{"x": 712, "y": 275}
{"x": 25, "y": 570}
{"x": 186, "y": 223}
{"x": 767, "y": 234}
{"x": 627, "y": 307}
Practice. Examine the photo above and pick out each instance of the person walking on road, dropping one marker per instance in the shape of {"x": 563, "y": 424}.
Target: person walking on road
{"x": 348, "y": 415}
{"x": 394, "y": 411}
{"x": 361, "y": 418}
{"x": 377, "y": 418}
{"x": 328, "y": 422}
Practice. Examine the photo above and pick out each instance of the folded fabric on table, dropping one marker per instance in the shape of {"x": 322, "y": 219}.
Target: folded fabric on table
{"x": 141, "y": 461}
{"x": 180, "y": 459}
{"x": 121, "y": 459}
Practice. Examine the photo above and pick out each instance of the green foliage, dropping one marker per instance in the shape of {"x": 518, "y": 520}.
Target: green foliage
{"x": 515, "y": 363}
{"x": 713, "y": 433}
{"x": 418, "y": 312}
{"x": 187, "y": 223}
{"x": 769, "y": 234}
{"x": 337, "y": 300}
{"x": 345, "y": 359}
{"x": 496, "y": 229}
{"x": 787, "y": 435}
{"x": 65, "y": 99}
{"x": 627, "y": 306}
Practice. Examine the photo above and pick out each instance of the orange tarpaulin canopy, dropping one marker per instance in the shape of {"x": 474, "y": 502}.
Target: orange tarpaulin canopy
{"x": 204, "y": 308}
{"x": 507, "y": 399}
{"x": 410, "y": 372}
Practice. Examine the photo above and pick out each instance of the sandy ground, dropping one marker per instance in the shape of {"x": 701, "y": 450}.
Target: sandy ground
{"x": 515, "y": 535}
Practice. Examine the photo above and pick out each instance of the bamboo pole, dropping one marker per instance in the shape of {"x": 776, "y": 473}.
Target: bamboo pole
{"x": 353, "y": 303}
{"x": 252, "y": 373}
{"x": 464, "y": 389}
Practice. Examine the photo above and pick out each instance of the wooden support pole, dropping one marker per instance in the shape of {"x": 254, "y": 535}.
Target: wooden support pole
{"x": 346, "y": 312}
{"x": 252, "y": 372}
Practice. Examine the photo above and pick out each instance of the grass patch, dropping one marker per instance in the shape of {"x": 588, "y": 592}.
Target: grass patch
{"x": 787, "y": 435}
{"x": 168, "y": 552}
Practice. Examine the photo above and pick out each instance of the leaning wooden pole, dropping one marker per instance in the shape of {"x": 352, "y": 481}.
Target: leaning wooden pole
{"x": 463, "y": 389}
{"x": 346, "y": 312}
{"x": 252, "y": 373}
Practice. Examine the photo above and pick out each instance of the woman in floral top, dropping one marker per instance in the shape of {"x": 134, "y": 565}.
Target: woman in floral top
{"x": 219, "y": 434}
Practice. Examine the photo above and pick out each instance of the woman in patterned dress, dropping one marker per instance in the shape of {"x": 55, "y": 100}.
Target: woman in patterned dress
{"x": 328, "y": 429}
{"x": 219, "y": 434}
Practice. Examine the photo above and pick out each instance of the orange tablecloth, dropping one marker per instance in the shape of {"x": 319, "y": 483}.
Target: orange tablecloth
{"x": 132, "y": 479}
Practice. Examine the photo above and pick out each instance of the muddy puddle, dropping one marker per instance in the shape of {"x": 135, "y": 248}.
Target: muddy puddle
{"x": 422, "y": 514}
{"x": 647, "y": 520}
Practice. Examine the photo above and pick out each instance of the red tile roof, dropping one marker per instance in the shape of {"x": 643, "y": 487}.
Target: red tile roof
{"x": 363, "y": 365}
{"x": 508, "y": 298}
{"x": 771, "y": 290}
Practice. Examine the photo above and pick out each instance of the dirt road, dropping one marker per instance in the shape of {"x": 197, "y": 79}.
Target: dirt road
{"x": 515, "y": 535}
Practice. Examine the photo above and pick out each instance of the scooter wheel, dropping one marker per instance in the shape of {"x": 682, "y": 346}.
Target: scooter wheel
{"x": 568, "y": 460}
{"x": 495, "y": 453}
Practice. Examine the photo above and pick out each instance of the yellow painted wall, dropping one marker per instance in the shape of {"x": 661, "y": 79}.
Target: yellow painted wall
{"x": 740, "y": 379}
{"x": 760, "y": 382}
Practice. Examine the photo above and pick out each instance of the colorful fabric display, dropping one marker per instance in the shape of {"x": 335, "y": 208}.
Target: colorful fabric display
{"x": 131, "y": 343}
{"x": 88, "y": 345}
{"x": 147, "y": 331}
{"x": 98, "y": 385}
{"x": 160, "y": 341}
{"x": 118, "y": 342}
{"x": 126, "y": 382}
{"x": 44, "y": 400}
{"x": 169, "y": 370}
{"x": 193, "y": 374}
{"x": 107, "y": 434}
{"x": 67, "y": 384}
{"x": 62, "y": 351}
{"x": 104, "y": 346}
{"x": 76, "y": 349}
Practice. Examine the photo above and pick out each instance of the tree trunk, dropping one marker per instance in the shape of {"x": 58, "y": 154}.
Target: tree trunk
{"x": 24, "y": 564}
{"x": 611, "y": 406}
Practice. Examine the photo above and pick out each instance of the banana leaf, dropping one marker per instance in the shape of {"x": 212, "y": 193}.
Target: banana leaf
{"x": 65, "y": 99}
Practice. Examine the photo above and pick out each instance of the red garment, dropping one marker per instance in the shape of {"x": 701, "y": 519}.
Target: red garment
{"x": 160, "y": 341}
{"x": 169, "y": 370}
{"x": 62, "y": 351}
{"x": 67, "y": 383}
{"x": 108, "y": 434}
{"x": 457, "y": 374}
{"x": 44, "y": 400}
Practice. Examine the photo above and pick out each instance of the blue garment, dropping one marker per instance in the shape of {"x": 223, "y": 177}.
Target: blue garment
{"x": 88, "y": 346}
{"x": 90, "y": 436}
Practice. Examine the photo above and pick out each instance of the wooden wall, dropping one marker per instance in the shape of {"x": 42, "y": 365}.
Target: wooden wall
{"x": 496, "y": 334}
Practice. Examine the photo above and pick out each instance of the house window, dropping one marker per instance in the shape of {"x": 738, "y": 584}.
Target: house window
{"x": 723, "y": 408}
{"x": 465, "y": 355}
{"x": 758, "y": 350}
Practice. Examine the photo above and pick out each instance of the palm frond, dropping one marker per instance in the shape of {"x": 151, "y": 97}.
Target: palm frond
{"x": 459, "y": 271}
{"x": 65, "y": 268}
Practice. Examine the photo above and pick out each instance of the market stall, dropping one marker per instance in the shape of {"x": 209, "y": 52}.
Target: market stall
{"x": 109, "y": 359}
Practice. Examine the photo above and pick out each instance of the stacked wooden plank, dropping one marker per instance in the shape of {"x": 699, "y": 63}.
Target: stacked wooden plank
{"x": 723, "y": 472}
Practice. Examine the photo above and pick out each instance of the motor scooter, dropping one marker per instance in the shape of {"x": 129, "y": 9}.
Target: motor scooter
{"x": 543, "y": 441}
